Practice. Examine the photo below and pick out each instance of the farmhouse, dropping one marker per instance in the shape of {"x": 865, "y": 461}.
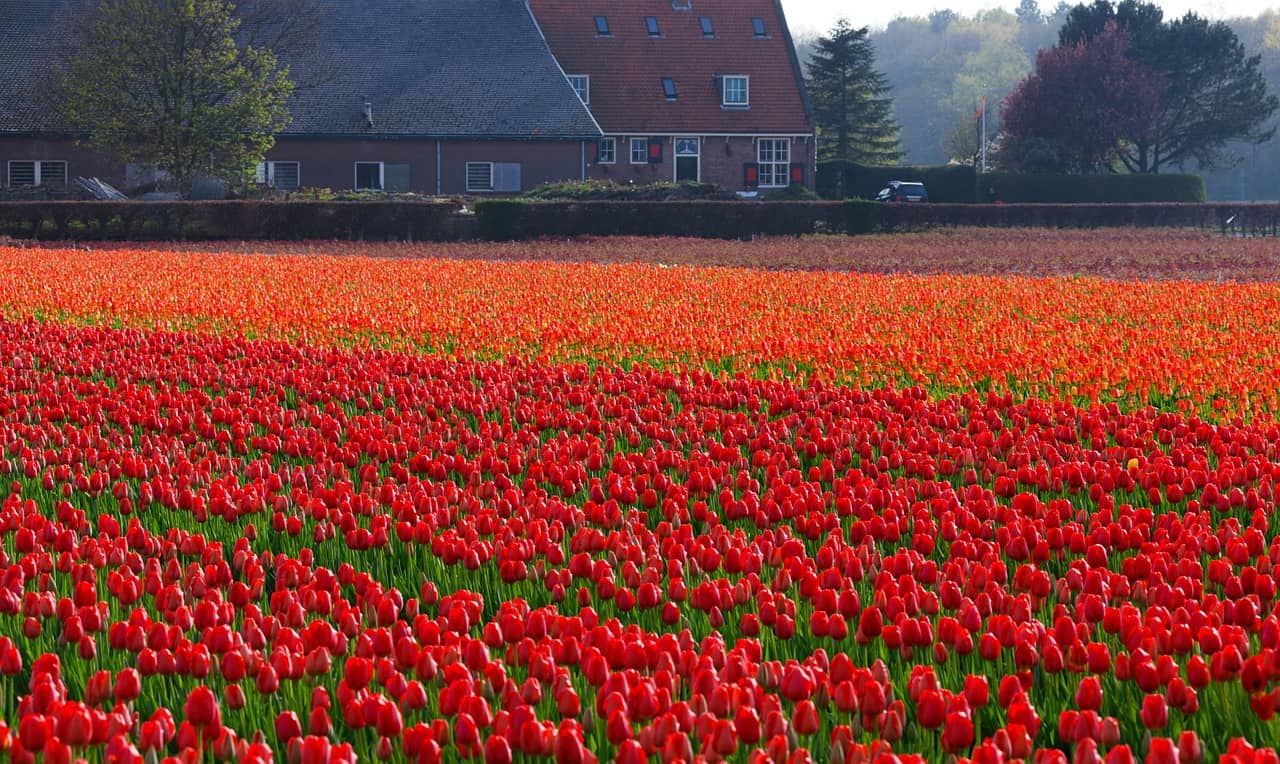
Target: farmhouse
{"x": 704, "y": 90}
{"x": 423, "y": 95}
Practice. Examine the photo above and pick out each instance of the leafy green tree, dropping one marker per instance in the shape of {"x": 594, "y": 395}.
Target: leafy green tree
{"x": 851, "y": 99}
{"x": 1085, "y": 99}
{"x": 165, "y": 83}
{"x": 1029, "y": 12}
{"x": 1214, "y": 92}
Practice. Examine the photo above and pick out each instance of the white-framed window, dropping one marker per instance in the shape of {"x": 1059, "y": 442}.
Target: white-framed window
{"x": 502, "y": 177}
{"x": 382, "y": 176}
{"x": 282, "y": 175}
{"x": 639, "y": 151}
{"x": 735, "y": 90}
{"x": 581, "y": 85}
{"x": 608, "y": 151}
{"x": 37, "y": 172}
{"x": 369, "y": 176}
{"x": 688, "y": 161}
{"x": 774, "y": 159}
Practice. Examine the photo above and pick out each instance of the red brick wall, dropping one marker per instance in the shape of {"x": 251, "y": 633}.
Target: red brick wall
{"x": 80, "y": 160}
{"x": 722, "y": 161}
{"x": 331, "y": 163}
{"x": 540, "y": 162}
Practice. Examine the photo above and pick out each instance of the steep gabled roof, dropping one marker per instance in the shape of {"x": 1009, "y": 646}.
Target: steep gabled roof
{"x": 627, "y": 67}
{"x": 29, "y": 39}
{"x": 477, "y": 69}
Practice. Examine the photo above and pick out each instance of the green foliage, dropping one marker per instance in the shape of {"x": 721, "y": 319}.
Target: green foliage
{"x": 511, "y": 219}
{"x": 1213, "y": 94}
{"x": 796, "y": 192}
{"x": 239, "y": 220}
{"x": 166, "y": 84}
{"x": 849, "y": 180}
{"x": 939, "y": 71}
{"x": 607, "y": 190}
{"x": 1076, "y": 189}
{"x": 500, "y": 219}
{"x": 851, "y": 101}
{"x": 861, "y": 217}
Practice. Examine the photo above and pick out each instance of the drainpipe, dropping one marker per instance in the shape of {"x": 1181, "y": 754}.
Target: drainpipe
{"x": 582, "y": 160}
{"x": 439, "y": 187}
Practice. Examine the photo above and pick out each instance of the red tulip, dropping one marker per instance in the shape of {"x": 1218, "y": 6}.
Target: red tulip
{"x": 201, "y": 707}
{"x": 977, "y": 691}
{"x": 957, "y": 735}
{"x": 1190, "y": 750}
{"x": 805, "y": 720}
{"x": 288, "y": 726}
{"x": 1089, "y": 694}
{"x": 1155, "y": 712}
{"x": 128, "y": 685}
{"x": 1162, "y": 751}
{"x": 497, "y": 750}
{"x": 931, "y": 712}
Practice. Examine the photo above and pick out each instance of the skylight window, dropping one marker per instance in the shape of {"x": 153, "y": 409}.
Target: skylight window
{"x": 757, "y": 26}
{"x": 708, "y": 29}
{"x": 602, "y": 26}
{"x": 651, "y": 25}
{"x": 669, "y": 88}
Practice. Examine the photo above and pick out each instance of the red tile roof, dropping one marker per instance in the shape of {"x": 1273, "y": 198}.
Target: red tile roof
{"x": 627, "y": 67}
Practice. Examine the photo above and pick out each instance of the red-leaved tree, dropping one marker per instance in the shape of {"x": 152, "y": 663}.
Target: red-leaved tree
{"x": 1079, "y": 105}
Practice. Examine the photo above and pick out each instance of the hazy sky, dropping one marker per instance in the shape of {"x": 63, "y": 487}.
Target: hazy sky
{"x": 809, "y": 16}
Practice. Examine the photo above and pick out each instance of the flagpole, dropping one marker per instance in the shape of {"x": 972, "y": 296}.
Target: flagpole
{"x": 984, "y": 135}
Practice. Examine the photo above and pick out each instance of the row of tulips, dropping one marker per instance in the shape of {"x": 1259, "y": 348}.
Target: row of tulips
{"x": 221, "y": 549}
{"x": 1198, "y": 347}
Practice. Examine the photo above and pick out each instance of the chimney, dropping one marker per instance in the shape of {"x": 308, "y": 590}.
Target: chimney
{"x": 368, "y": 114}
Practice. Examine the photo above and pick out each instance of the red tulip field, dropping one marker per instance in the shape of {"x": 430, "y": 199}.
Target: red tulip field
{"x": 645, "y": 503}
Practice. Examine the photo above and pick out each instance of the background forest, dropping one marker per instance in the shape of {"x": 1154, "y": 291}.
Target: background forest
{"x": 941, "y": 66}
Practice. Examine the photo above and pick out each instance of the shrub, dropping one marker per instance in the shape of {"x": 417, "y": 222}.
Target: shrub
{"x": 229, "y": 220}
{"x": 509, "y": 219}
{"x": 861, "y": 217}
{"x": 796, "y": 192}
{"x": 500, "y": 219}
{"x": 607, "y": 190}
{"x": 838, "y": 179}
{"x": 1091, "y": 189}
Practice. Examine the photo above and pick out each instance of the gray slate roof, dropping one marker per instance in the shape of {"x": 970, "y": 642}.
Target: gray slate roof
{"x": 29, "y": 40}
{"x": 462, "y": 69}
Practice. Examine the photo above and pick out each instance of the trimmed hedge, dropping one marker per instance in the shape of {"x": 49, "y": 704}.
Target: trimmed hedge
{"x": 510, "y": 219}
{"x": 1089, "y": 189}
{"x": 947, "y": 184}
{"x": 228, "y": 220}
{"x": 894, "y": 217}
{"x": 961, "y": 184}
{"x": 506, "y": 220}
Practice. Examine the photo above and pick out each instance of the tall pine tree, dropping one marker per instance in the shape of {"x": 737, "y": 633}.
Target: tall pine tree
{"x": 851, "y": 100}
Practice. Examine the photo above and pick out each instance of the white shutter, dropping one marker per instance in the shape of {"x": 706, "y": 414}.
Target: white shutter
{"x": 284, "y": 175}
{"x": 480, "y": 176}
{"x": 53, "y": 173}
{"x": 506, "y": 177}
{"x": 22, "y": 173}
